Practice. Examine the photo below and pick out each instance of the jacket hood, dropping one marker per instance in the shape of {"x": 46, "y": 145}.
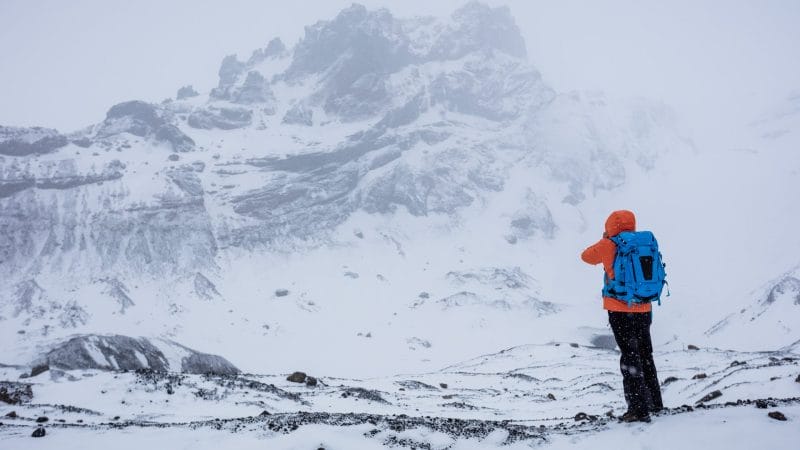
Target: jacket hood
{"x": 619, "y": 221}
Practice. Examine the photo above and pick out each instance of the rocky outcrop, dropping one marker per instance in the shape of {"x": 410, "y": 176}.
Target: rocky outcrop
{"x": 15, "y": 393}
{"x": 299, "y": 115}
{"x": 116, "y": 352}
{"x": 17, "y": 141}
{"x": 144, "y": 120}
{"x": 207, "y": 364}
{"x": 275, "y": 48}
{"x": 787, "y": 288}
{"x": 222, "y": 118}
{"x": 186, "y": 92}
{"x": 113, "y": 352}
{"x": 255, "y": 89}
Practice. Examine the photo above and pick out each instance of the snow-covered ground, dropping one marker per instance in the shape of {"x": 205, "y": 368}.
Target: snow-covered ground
{"x": 526, "y": 395}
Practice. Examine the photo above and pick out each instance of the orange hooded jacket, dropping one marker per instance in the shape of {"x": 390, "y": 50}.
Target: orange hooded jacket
{"x": 604, "y": 251}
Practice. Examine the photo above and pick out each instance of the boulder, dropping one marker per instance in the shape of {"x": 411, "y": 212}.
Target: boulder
{"x": 297, "y": 377}
{"x": 777, "y": 415}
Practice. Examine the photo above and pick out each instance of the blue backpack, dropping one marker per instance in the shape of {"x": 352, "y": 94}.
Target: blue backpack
{"x": 639, "y": 275}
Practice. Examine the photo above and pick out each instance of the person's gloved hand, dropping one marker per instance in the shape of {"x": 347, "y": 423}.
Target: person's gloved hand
{"x": 605, "y": 235}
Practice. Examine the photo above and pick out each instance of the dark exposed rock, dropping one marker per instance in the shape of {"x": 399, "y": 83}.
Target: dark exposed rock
{"x": 443, "y": 385}
{"x": 40, "y": 368}
{"x": 229, "y": 71}
{"x": 274, "y": 48}
{"x": 203, "y": 363}
{"x": 127, "y": 353}
{"x": 38, "y": 432}
{"x": 212, "y": 117}
{"x": 15, "y": 393}
{"x": 788, "y": 287}
{"x": 364, "y": 394}
{"x": 692, "y": 347}
{"x": 738, "y": 363}
{"x": 297, "y": 377}
{"x": 604, "y": 341}
{"x": 669, "y": 380}
{"x": 797, "y": 380}
{"x": 17, "y": 141}
{"x": 699, "y": 376}
{"x": 311, "y": 381}
{"x": 120, "y": 353}
{"x": 255, "y": 89}
{"x": 299, "y": 115}
{"x": 174, "y": 157}
{"x": 777, "y": 415}
{"x": 415, "y": 385}
{"x": 144, "y": 120}
{"x": 12, "y": 415}
{"x": 710, "y": 396}
{"x": 762, "y": 404}
{"x": 42, "y": 419}
{"x": 204, "y": 288}
{"x": 186, "y": 92}
{"x": 281, "y": 292}
{"x": 459, "y": 405}
{"x": 574, "y": 345}
{"x": 551, "y": 396}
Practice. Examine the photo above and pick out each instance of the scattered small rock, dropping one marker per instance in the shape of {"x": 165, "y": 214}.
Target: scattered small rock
{"x": 174, "y": 157}
{"x": 116, "y": 417}
{"x": 610, "y": 413}
{"x": 738, "y": 363}
{"x": 699, "y": 376}
{"x": 797, "y": 380}
{"x": 281, "y": 292}
{"x": 424, "y": 294}
{"x": 12, "y": 415}
{"x": 777, "y": 415}
{"x": 297, "y": 377}
{"x": 573, "y": 345}
{"x": 761, "y": 404}
{"x": 581, "y": 416}
{"x": 692, "y": 347}
{"x": 551, "y": 396}
{"x": 15, "y": 393}
{"x": 311, "y": 381}
{"x": 39, "y": 432}
{"x": 443, "y": 385}
{"x": 42, "y": 419}
{"x": 710, "y": 396}
{"x": 264, "y": 414}
{"x": 359, "y": 234}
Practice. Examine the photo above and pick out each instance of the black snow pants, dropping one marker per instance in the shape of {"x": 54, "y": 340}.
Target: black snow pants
{"x": 639, "y": 377}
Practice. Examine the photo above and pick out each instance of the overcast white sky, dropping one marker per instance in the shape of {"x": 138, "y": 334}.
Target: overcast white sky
{"x": 64, "y": 63}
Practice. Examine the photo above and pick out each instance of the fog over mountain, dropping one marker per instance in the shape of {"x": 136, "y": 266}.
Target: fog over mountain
{"x": 389, "y": 194}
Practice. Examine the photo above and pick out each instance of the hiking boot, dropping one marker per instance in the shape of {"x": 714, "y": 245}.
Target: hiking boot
{"x": 631, "y": 416}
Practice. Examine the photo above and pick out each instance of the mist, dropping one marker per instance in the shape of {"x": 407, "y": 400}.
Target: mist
{"x": 719, "y": 64}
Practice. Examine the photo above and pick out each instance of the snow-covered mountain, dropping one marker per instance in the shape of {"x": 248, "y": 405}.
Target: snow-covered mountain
{"x": 332, "y": 204}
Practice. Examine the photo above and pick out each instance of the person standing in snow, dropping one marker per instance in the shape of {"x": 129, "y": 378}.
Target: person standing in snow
{"x": 630, "y": 322}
